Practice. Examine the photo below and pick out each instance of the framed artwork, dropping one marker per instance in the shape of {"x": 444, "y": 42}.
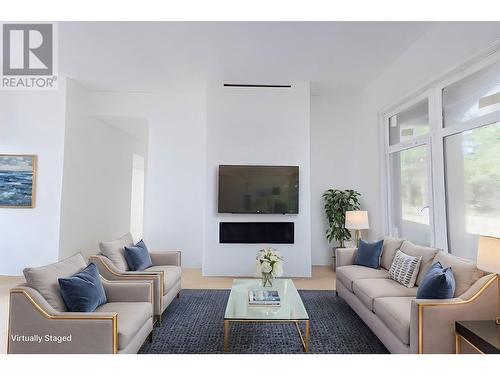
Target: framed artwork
{"x": 17, "y": 181}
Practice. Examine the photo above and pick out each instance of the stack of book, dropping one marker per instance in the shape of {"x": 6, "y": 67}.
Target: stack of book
{"x": 263, "y": 298}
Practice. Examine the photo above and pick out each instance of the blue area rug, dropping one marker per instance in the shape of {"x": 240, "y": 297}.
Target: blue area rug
{"x": 193, "y": 324}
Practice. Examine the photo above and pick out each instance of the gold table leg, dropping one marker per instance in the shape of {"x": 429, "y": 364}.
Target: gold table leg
{"x": 306, "y": 346}
{"x": 304, "y": 338}
{"x": 457, "y": 344}
{"x": 226, "y": 335}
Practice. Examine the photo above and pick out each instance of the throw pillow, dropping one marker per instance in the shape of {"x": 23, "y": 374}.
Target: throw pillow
{"x": 465, "y": 272}
{"x": 368, "y": 254}
{"x": 45, "y": 279}
{"x": 391, "y": 245}
{"x": 438, "y": 283}
{"x": 114, "y": 250}
{"x": 83, "y": 292}
{"x": 137, "y": 257}
{"x": 142, "y": 245}
{"x": 404, "y": 269}
{"x": 427, "y": 254}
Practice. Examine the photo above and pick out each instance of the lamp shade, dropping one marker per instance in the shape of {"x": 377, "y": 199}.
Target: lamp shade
{"x": 356, "y": 220}
{"x": 488, "y": 254}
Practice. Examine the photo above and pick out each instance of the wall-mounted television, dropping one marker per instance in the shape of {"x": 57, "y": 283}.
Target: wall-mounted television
{"x": 258, "y": 189}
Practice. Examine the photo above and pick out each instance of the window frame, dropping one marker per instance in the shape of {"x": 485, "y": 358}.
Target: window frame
{"x": 423, "y": 140}
{"x": 434, "y": 140}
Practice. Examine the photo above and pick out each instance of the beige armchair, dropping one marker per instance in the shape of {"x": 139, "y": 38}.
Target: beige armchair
{"x": 165, "y": 275}
{"x": 36, "y": 326}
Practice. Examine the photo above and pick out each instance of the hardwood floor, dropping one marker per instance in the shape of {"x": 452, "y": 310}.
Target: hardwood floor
{"x": 323, "y": 278}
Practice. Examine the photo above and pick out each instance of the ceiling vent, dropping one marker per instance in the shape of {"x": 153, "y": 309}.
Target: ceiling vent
{"x": 256, "y": 86}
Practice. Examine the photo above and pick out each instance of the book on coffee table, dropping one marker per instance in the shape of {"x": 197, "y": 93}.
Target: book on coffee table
{"x": 264, "y": 298}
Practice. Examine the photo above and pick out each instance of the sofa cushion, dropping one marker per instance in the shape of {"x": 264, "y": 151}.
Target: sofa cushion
{"x": 172, "y": 274}
{"x": 391, "y": 245}
{"x": 438, "y": 283}
{"x": 404, "y": 269}
{"x": 427, "y": 254}
{"x": 367, "y": 290}
{"x": 114, "y": 250}
{"x": 45, "y": 279}
{"x": 465, "y": 272}
{"x": 131, "y": 317}
{"x": 137, "y": 257}
{"x": 83, "y": 292}
{"x": 347, "y": 274}
{"x": 395, "y": 312}
{"x": 368, "y": 254}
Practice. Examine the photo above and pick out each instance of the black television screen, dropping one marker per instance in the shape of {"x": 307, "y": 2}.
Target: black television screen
{"x": 258, "y": 189}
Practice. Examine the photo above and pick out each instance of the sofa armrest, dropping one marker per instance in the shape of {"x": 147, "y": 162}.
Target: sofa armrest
{"x": 36, "y": 327}
{"x": 166, "y": 258}
{"x": 432, "y": 322}
{"x": 106, "y": 267}
{"x": 345, "y": 256}
{"x": 129, "y": 291}
{"x": 109, "y": 272}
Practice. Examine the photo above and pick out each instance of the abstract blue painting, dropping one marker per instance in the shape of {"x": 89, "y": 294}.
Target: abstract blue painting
{"x": 17, "y": 181}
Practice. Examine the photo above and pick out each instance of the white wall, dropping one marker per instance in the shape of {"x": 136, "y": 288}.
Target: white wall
{"x": 97, "y": 180}
{"x": 262, "y": 127}
{"x": 190, "y": 135}
{"x": 442, "y": 48}
{"x": 137, "y": 200}
{"x": 180, "y": 200}
{"x": 33, "y": 123}
{"x": 333, "y": 163}
{"x": 174, "y": 213}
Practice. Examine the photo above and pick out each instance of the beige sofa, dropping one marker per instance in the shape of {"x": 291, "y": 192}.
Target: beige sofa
{"x": 403, "y": 323}
{"x": 40, "y": 324}
{"x": 165, "y": 272}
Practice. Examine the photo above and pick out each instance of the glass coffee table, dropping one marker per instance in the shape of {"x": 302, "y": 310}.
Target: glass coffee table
{"x": 291, "y": 310}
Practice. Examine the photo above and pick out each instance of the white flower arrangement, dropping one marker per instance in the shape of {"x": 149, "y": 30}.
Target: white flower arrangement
{"x": 269, "y": 264}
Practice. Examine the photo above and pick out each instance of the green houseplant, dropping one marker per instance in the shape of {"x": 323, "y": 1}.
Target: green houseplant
{"x": 337, "y": 202}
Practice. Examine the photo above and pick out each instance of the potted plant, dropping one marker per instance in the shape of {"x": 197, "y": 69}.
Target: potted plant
{"x": 337, "y": 202}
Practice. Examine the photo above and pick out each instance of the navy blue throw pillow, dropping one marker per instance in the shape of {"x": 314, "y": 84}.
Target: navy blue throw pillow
{"x": 142, "y": 245}
{"x": 137, "y": 257}
{"x": 83, "y": 292}
{"x": 368, "y": 254}
{"x": 438, "y": 283}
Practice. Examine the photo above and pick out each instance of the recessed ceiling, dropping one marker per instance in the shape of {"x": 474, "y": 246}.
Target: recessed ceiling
{"x": 168, "y": 56}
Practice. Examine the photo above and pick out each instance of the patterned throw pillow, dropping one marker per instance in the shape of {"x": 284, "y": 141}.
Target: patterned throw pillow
{"x": 404, "y": 269}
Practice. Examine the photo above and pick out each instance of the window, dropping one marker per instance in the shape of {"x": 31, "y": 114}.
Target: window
{"x": 472, "y": 97}
{"x": 442, "y": 154}
{"x": 411, "y": 195}
{"x": 410, "y": 123}
{"x": 408, "y": 152}
{"x": 471, "y": 109}
{"x": 473, "y": 187}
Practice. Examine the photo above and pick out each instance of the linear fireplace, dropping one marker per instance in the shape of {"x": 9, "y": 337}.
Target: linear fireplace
{"x": 256, "y": 232}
